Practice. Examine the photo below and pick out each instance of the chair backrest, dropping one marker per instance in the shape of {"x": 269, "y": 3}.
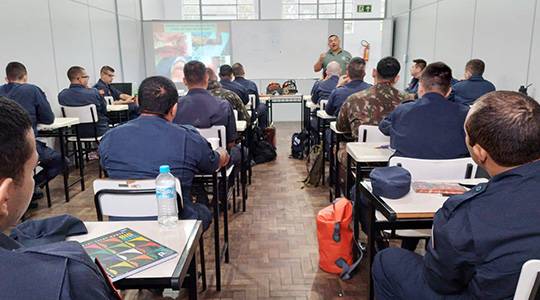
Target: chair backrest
{"x": 252, "y": 98}
{"x": 436, "y": 169}
{"x": 86, "y": 114}
{"x": 215, "y": 132}
{"x": 528, "y": 286}
{"x": 322, "y": 104}
{"x": 109, "y": 99}
{"x": 235, "y": 112}
{"x": 129, "y": 198}
{"x": 371, "y": 134}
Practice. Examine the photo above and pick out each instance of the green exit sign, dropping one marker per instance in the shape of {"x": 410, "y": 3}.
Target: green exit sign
{"x": 364, "y": 8}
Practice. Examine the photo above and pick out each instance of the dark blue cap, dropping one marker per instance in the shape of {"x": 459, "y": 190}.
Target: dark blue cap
{"x": 390, "y": 182}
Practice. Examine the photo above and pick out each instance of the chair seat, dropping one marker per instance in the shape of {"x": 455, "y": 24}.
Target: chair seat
{"x": 418, "y": 233}
{"x": 90, "y": 139}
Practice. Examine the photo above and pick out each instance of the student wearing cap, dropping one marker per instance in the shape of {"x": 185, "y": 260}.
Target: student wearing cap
{"x": 480, "y": 239}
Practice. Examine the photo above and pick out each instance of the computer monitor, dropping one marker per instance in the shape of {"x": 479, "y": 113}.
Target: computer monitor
{"x": 123, "y": 87}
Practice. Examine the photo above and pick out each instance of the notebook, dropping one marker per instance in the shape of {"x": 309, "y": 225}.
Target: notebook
{"x": 125, "y": 252}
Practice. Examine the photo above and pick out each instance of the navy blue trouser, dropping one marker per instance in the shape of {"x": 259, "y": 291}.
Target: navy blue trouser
{"x": 262, "y": 115}
{"x": 51, "y": 161}
{"x": 399, "y": 274}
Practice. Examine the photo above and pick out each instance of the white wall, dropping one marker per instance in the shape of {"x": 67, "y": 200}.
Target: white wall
{"x": 504, "y": 34}
{"x": 50, "y": 36}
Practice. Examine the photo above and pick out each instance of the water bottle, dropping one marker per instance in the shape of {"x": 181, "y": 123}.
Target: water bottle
{"x": 166, "y": 197}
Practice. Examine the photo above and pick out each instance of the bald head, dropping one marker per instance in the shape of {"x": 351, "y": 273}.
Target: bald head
{"x": 333, "y": 68}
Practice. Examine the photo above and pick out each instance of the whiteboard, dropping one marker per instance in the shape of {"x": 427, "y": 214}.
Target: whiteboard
{"x": 280, "y": 49}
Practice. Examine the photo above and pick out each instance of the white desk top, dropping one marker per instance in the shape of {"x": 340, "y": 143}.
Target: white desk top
{"x": 323, "y": 115}
{"x": 334, "y": 129}
{"x": 241, "y": 125}
{"x": 311, "y": 105}
{"x": 117, "y": 107}
{"x": 175, "y": 238}
{"x": 308, "y": 98}
{"x": 369, "y": 152}
{"x": 420, "y": 205}
{"x": 59, "y": 123}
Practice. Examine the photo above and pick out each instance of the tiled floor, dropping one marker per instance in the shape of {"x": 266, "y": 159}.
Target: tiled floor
{"x": 273, "y": 246}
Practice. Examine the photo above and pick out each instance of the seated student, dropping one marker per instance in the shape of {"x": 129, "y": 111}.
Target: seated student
{"x": 226, "y": 81}
{"x": 79, "y": 94}
{"x": 416, "y": 70}
{"x": 59, "y": 270}
{"x": 34, "y": 101}
{"x": 216, "y": 90}
{"x": 260, "y": 108}
{"x": 371, "y": 105}
{"x": 323, "y": 88}
{"x": 153, "y": 140}
{"x": 351, "y": 83}
{"x": 105, "y": 89}
{"x": 202, "y": 110}
{"x": 474, "y": 85}
{"x": 480, "y": 239}
{"x": 432, "y": 126}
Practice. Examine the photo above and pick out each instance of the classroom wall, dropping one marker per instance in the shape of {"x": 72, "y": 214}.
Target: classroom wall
{"x": 505, "y": 34}
{"x": 50, "y": 36}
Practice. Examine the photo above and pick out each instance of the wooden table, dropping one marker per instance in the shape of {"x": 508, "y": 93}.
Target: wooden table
{"x": 57, "y": 129}
{"x": 181, "y": 271}
{"x": 412, "y": 211}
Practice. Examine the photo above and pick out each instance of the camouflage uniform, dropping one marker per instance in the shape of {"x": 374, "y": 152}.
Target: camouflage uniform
{"x": 367, "y": 107}
{"x": 216, "y": 90}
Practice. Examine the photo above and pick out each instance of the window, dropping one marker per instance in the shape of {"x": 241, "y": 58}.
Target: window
{"x": 219, "y": 9}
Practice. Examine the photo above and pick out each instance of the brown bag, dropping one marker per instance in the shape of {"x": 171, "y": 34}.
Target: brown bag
{"x": 270, "y": 135}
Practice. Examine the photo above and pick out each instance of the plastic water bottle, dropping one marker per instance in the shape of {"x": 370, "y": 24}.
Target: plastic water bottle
{"x": 166, "y": 197}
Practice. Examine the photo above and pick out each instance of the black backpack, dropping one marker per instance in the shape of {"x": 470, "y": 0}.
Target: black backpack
{"x": 262, "y": 151}
{"x": 299, "y": 144}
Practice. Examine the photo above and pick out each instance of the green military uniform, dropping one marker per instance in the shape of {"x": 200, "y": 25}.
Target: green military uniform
{"x": 368, "y": 107}
{"x": 216, "y": 90}
{"x": 342, "y": 57}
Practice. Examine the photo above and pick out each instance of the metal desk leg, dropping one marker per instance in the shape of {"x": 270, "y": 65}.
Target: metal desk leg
{"x": 337, "y": 192}
{"x": 80, "y": 157}
{"x": 348, "y": 177}
{"x": 243, "y": 175}
{"x": 217, "y": 255}
{"x": 225, "y": 212}
{"x": 356, "y": 226}
{"x": 191, "y": 282}
{"x": 331, "y": 170}
{"x": 371, "y": 244}
{"x": 66, "y": 169}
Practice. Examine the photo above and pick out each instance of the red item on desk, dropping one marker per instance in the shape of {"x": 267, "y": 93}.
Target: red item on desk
{"x": 446, "y": 188}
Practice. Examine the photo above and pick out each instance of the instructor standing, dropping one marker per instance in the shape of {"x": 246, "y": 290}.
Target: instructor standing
{"x": 334, "y": 53}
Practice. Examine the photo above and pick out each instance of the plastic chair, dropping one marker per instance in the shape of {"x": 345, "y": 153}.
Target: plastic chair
{"x": 528, "y": 286}
{"x": 371, "y": 134}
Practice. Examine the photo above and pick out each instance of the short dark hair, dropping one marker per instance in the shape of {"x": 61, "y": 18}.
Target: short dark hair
{"x": 15, "y": 150}
{"x": 15, "y": 70}
{"x": 388, "y": 68}
{"x": 475, "y": 67}
{"x": 507, "y": 125}
{"x": 420, "y": 62}
{"x": 238, "y": 69}
{"x": 194, "y": 72}
{"x": 105, "y": 69}
{"x": 157, "y": 95}
{"x": 225, "y": 70}
{"x": 74, "y": 72}
{"x": 356, "y": 68}
{"x": 333, "y": 35}
{"x": 211, "y": 74}
{"x": 437, "y": 75}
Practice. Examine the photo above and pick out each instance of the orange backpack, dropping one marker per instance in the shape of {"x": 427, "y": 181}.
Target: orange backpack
{"x": 335, "y": 237}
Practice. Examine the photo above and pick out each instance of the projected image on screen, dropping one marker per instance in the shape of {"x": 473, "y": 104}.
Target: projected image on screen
{"x": 176, "y": 43}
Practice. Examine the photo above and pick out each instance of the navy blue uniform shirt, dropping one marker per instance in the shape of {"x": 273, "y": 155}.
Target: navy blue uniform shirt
{"x": 428, "y": 128}
{"x": 79, "y": 95}
{"x": 202, "y": 110}
{"x": 108, "y": 89}
{"x": 323, "y": 88}
{"x": 340, "y": 94}
{"x": 55, "y": 271}
{"x": 136, "y": 149}
{"x": 467, "y": 91}
{"x": 412, "y": 88}
{"x": 236, "y": 88}
{"x": 482, "y": 238}
{"x": 32, "y": 99}
{"x": 250, "y": 86}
